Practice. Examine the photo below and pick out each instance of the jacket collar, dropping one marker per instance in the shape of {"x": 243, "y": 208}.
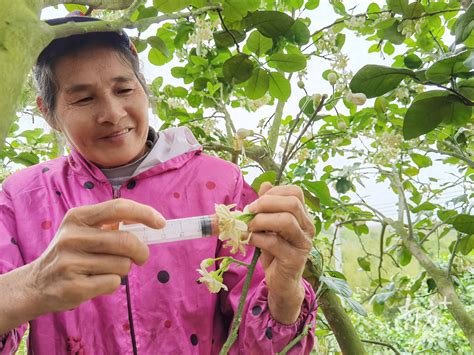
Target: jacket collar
{"x": 174, "y": 148}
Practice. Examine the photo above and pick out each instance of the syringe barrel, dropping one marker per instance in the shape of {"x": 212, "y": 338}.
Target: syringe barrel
{"x": 175, "y": 229}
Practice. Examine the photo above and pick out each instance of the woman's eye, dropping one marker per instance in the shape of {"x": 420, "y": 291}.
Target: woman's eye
{"x": 83, "y": 100}
{"x": 125, "y": 91}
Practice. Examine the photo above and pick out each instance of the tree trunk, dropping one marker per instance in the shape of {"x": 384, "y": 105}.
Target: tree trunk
{"x": 340, "y": 323}
{"x": 22, "y": 38}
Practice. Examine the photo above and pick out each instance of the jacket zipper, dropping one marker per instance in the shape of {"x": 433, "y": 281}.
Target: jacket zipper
{"x": 116, "y": 194}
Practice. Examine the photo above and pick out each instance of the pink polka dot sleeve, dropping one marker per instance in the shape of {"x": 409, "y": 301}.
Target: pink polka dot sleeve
{"x": 10, "y": 259}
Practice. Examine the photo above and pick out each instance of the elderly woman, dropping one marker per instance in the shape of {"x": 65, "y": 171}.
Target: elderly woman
{"x": 85, "y": 287}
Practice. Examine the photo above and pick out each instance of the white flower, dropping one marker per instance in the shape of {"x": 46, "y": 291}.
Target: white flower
{"x": 232, "y": 230}
{"x": 402, "y": 93}
{"x": 332, "y": 78}
{"x": 212, "y": 280}
{"x": 243, "y": 133}
{"x": 356, "y": 99}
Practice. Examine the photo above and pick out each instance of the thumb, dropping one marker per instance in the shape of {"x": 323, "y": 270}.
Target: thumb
{"x": 264, "y": 188}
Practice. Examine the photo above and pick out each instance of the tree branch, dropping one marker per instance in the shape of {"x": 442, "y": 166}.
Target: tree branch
{"x": 465, "y": 159}
{"x": 257, "y": 154}
{"x": 382, "y": 234}
{"x": 96, "y": 4}
{"x": 73, "y": 28}
{"x": 391, "y": 347}
{"x": 453, "y": 255}
{"x": 275, "y": 128}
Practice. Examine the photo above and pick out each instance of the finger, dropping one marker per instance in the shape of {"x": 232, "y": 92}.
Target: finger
{"x": 98, "y": 285}
{"x": 277, "y": 203}
{"x": 264, "y": 187}
{"x": 286, "y": 190}
{"x": 112, "y": 242}
{"x": 103, "y": 264}
{"x": 284, "y": 225}
{"x": 287, "y": 255}
{"x": 115, "y": 211}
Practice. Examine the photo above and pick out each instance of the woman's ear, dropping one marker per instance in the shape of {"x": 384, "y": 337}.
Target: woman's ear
{"x": 46, "y": 114}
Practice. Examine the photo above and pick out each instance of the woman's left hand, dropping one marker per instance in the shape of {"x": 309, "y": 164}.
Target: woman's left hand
{"x": 283, "y": 230}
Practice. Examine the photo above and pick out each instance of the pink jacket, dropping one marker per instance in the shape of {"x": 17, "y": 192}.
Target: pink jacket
{"x": 170, "y": 312}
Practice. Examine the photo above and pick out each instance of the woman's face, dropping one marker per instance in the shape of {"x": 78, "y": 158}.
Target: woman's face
{"x": 101, "y": 107}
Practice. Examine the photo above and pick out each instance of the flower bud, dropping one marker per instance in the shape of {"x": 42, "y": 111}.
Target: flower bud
{"x": 342, "y": 125}
{"x": 316, "y": 100}
{"x": 332, "y": 78}
{"x": 300, "y": 84}
{"x": 243, "y": 133}
{"x": 356, "y": 99}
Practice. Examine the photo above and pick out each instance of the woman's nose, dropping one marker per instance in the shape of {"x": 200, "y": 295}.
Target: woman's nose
{"x": 111, "y": 110}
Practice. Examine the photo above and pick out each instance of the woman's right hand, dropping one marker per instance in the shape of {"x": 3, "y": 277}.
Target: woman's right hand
{"x": 88, "y": 255}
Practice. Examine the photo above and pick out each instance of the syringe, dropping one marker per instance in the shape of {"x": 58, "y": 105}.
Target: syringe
{"x": 175, "y": 229}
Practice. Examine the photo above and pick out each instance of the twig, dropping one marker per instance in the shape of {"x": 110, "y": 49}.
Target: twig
{"x": 238, "y": 315}
{"x": 382, "y": 234}
{"x": 297, "y": 339}
{"x": 391, "y": 347}
{"x": 133, "y": 8}
{"x": 228, "y": 31}
{"x": 453, "y": 255}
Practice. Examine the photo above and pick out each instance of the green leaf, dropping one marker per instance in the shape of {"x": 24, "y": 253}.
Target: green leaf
{"x": 280, "y": 87}
{"x": 464, "y": 223}
{"x": 442, "y": 70}
{"x": 157, "y": 58}
{"x": 321, "y": 190}
{"x": 343, "y": 185}
{"x": 224, "y": 39}
{"x": 466, "y": 87}
{"x": 466, "y": 244}
{"x": 398, "y": 6}
{"x": 363, "y": 263}
{"x": 339, "y": 286}
{"x": 404, "y": 256}
{"x": 258, "y": 84}
{"x": 288, "y": 62}
{"x": 412, "y": 61}
{"x": 431, "y": 284}
{"x": 26, "y": 158}
{"x": 413, "y": 10}
{"x": 238, "y": 68}
{"x": 388, "y": 48}
{"x": 338, "y": 7}
{"x": 298, "y": 33}
{"x": 391, "y": 33}
{"x": 269, "y": 176}
{"x": 378, "y": 308}
{"x": 376, "y": 80}
{"x": 445, "y": 215}
{"x": 464, "y": 25}
{"x": 235, "y": 10}
{"x": 167, "y": 6}
{"x": 311, "y": 4}
{"x": 270, "y": 23}
{"x": 258, "y": 43}
{"x": 158, "y": 43}
{"x": 422, "y": 161}
{"x": 429, "y": 109}
{"x": 73, "y": 7}
{"x": 425, "y": 206}
{"x": 356, "y": 306}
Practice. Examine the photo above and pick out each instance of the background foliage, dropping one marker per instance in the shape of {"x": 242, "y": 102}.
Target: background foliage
{"x": 405, "y": 272}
